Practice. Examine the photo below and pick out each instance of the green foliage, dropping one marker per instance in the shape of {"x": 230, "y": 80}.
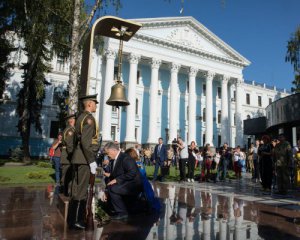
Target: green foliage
{"x": 18, "y": 175}
{"x": 36, "y": 175}
{"x": 44, "y": 165}
{"x": 4, "y": 179}
{"x": 17, "y": 154}
{"x": 293, "y": 56}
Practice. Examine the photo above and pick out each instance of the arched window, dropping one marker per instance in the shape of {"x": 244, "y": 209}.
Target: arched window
{"x": 219, "y": 116}
{"x": 204, "y": 114}
{"x": 136, "y": 107}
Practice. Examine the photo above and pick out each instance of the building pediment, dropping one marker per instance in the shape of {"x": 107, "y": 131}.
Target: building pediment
{"x": 189, "y": 35}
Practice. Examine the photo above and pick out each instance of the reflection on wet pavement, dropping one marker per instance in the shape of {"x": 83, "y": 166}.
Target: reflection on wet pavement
{"x": 189, "y": 211}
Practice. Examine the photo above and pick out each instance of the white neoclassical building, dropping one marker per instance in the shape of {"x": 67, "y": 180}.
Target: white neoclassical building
{"x": 181, "y": 79}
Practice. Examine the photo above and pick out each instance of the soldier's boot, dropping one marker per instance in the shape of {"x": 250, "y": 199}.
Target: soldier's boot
{"x": 71, "y": 218}
{"x": 80, "y": 215}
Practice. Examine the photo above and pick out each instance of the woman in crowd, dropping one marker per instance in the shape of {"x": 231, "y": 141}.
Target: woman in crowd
{"x": 250, "y": 165}
{"x": 237, "y": 162}
{"x": 57, "y": 145}
{"x": 265, "y": 156}
{"x": 207, "y": 155}
{"x": 191, "y": 161}
{"x": 148, "y": 191}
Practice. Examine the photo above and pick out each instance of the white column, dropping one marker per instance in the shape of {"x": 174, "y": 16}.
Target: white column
{"x": 192, "y": 104}
{"x": 238, "y": 114}
{"x": 224, "y": 111}
{"x": 130, "y": 116}
{"x": 209, "y": 108}
{"x": 174, "y": 108}
{"x": 152, "y": 138}
{"x": 109, "y": 75}
{"x": 98, "y": 82}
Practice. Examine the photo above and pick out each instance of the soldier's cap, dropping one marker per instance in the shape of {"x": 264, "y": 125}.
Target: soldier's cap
{"x": 70, "y": 116}
{"x": 89, "y": 97}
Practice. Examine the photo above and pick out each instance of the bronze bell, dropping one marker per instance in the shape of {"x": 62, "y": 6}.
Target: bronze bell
{"x": 117, "y": 97}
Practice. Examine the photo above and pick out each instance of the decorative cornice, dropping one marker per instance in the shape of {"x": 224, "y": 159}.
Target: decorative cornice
{"x": 238, "y": 59}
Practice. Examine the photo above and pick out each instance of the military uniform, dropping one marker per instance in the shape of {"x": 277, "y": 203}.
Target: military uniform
{"x": 86, "y": 147}
{"x": 283, "y": 160}
{"x": 66, "y": 157}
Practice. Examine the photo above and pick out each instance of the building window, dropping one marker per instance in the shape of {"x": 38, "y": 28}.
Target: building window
{"x": 188, "y": 86}
{"x": 219, "y": 116}
{"x": 54, "y": 128}
{"x": 248, "y": 98}
{"x": 136, "y": 107}
{"x": 204, "y": 114}
{"x": 187, "y": 113}
{"x": 219, "y": 140}
{"x": 219, "y": 92}
{"x": 270, "y": 100}
{"x": 234, "y": 119}
{"x": 259, "y": 101}
{"x": 138, "y": 75}
{"x": 56, "y": 96}
{"x": 115, "y": 72}
{"x": 204, "y": 89}
{"x": 60, "y": 64}
{"x": 203, "y": 139}
{"x": 234, "y": 95}
{"x": 113, "y": 133}
{"x": 136, "y": 133}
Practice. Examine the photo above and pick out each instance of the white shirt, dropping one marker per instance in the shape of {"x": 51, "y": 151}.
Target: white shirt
{"x": 184, "y": 151}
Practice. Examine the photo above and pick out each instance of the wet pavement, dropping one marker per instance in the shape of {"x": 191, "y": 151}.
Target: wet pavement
{"x": 234, "y": 210}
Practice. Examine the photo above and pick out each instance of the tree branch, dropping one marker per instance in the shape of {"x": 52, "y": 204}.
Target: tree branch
{"x": 59, "y": 15}
{"x": 88, "y": 21}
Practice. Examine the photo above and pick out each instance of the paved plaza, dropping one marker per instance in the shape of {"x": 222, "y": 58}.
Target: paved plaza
{"x": 231, "y": 210}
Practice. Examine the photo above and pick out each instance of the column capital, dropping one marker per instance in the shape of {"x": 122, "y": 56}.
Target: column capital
{"x": 239, "y": 82}
{"x": 210, "y": 75}
{"x": 134, "y": 58}
{"x": 110, "y": 54}
{"x": 155, "y": 63}
{"x": 193, "y": 71}
{"x": 175, "y": 67}
{"x": 225, "y": 79}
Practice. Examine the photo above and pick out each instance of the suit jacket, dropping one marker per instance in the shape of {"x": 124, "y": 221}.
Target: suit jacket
{"x": 161, "y": 155}
{"x": 127, "y": 174}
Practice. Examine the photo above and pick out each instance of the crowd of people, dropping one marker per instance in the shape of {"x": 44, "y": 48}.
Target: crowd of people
{"x": 75, "y": 160}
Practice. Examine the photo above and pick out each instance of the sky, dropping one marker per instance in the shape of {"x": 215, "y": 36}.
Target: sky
{"x": 258, "y": 29}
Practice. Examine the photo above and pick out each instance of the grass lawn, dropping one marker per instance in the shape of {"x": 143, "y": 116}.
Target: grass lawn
{"x": 22, "y": 174}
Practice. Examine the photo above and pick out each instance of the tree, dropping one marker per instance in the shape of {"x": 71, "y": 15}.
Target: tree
{"x": 293, "y": 56}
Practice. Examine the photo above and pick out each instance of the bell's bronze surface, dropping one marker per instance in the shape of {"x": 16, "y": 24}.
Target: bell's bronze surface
{"x": 117, "y": 97}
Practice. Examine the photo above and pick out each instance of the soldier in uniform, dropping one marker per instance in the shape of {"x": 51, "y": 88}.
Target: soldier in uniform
{"x": 84, "y": 160}
{"x": 66, "y": 154}
{"x": 283, "y": 160}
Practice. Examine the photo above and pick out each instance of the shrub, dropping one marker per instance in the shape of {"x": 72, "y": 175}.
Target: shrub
{"x": 4, "y": 179}
{"x": 44, "y": 164}
{"x": 16, "y": 154}
{"x": 36, "y": 175}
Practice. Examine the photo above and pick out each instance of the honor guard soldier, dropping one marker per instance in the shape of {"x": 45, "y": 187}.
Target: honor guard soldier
{"x": 84, "y": 160}
{"x": 66, "y": 154}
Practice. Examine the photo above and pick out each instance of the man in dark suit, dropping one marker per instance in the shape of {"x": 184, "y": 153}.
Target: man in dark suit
{"x": 160, "y": 156}
{"x": 125, "y": 182}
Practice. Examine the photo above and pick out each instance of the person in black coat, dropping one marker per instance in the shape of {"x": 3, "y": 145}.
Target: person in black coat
{"x": 159, "y": 157}
{"x": 125, "y": 183}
